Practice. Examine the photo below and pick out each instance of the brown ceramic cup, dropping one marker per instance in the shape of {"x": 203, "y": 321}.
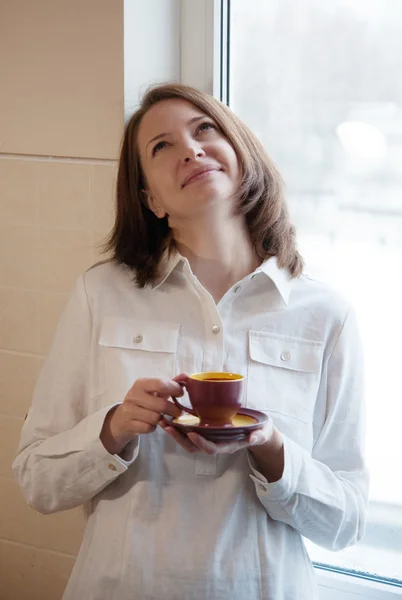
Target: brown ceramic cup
{"x": 215, "y": 397}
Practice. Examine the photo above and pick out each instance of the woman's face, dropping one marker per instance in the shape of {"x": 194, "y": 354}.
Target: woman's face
{"x": 188, "y": 164}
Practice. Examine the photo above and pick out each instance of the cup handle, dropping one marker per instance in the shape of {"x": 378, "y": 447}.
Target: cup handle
{"x": 186, "y": 409}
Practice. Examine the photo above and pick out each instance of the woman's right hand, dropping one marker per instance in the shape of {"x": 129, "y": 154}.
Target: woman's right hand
{"x": 140, "y": 412}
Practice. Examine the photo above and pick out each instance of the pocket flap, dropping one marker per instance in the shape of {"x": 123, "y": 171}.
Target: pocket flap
{"x": 151, "y": 336}
{"x": 286, "y": 352}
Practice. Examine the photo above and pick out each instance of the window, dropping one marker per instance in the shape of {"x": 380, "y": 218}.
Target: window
{"x": 320, "y": 84}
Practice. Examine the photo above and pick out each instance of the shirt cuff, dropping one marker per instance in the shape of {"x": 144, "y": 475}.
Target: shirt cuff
{"x": 86, "y": 436}
{"x": 283, "y": 489}
{"x": 103, "y": 466}
{"x": 129, "y": 453}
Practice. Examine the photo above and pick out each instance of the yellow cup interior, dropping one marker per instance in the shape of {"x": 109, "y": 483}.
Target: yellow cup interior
{"x": 216, "y": 376}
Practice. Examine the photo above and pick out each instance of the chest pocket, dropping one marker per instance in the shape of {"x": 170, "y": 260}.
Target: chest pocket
{"x": 283, "y": 374}
{"x": 134, "y": 349}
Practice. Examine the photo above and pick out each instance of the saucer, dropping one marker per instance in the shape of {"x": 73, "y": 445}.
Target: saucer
{"x": 243, "y": 423}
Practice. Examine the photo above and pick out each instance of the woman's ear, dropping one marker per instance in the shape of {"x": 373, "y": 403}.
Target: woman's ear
{"x": 144, "y": 197}
{"x": 153, "y": 205}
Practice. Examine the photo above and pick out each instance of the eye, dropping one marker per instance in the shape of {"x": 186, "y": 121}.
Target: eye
{"x": 206, "y": 126}
{"x": 159, "y": 146}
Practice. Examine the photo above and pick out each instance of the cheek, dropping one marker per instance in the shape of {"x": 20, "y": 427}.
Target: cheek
{"x": 227, "y": 156}
{"x": 160, "y": 180}
{"x": 233, "y": 158}
{"x": 233, "y": 165}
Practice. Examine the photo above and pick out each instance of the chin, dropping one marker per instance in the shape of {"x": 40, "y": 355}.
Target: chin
{"x": 210, "y": 192}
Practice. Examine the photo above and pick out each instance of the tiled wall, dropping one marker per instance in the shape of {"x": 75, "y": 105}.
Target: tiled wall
{"x": 54, "y": 210}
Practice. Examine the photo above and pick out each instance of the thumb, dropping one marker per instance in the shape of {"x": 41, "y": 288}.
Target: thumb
{"x": 257, "y": 438}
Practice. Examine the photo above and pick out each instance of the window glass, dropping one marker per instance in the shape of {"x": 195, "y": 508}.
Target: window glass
{"x": 320, "y": 83}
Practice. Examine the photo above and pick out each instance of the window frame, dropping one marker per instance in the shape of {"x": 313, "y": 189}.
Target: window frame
{"x": 204, "y": 63}
{"x": 335, "y": 584}
{"x": 203, "y": 59}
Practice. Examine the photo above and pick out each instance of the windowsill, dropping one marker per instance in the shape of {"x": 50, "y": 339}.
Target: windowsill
{"x": 338, "y": 586}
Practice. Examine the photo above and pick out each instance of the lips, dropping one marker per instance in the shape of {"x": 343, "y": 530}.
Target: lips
{"x": 199, "y": 171}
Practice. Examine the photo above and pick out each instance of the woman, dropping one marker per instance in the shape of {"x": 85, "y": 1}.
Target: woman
{"x": 205, "y": 277}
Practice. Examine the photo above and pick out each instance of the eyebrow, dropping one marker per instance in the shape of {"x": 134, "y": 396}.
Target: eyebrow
{"x": 190, "y": 122}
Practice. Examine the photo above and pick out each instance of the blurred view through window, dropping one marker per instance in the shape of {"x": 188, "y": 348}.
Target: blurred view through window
{"x": 320, "y": 83}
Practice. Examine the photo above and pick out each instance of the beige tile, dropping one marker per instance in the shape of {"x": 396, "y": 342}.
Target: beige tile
{"x": 10, "y": 429}
{"x": 18, "y": 199}
{"x": 19, "y": 256}
{"x": 62, "y": 531}
{"x": 18, "y": 375}
{"x": 53, "y": 573}
{"x": 19, "y": 522}
{"x": 63, "y": 194}
{"x": 50, "y": 310}
{"x": 63, "y": 255}
{"x": 62, "y": 78}
{"x": 19, "y": 320}
{"x": 98, "y": 241}
{"x": 102, "y": 196}
{"x": 18, "y": 572}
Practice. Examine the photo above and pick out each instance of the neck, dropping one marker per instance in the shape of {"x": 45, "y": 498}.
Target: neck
{"x": 219, "y": 251}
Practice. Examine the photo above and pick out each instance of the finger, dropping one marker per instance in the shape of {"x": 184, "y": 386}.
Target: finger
{"x": 138, "y": 413}
{"x": 182, "y": 378}
{"x": 180, "y": 439}
{"x": 138, "y": 427}
{"x": 200, "y": 442}
{"x": 256, "y": 438}
{"x": 218, "y": 447}
{"x": 163, "y": 387}
{"x": 153, "y": 403}
{"x": 232, "y": 447}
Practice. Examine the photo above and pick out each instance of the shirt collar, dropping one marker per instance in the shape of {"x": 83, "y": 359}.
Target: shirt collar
{"x": 280, "y": 277}
{"x": 169, "y": 262}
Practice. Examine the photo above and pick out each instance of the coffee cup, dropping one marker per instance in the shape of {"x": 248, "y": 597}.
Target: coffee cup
{"x": 215, "y": 397}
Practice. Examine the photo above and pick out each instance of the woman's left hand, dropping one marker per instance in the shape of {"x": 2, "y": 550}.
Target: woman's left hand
{"x": 193, "y": 442}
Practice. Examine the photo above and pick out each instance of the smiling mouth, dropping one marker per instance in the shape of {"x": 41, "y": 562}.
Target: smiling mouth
{"x": 200, "y": 175}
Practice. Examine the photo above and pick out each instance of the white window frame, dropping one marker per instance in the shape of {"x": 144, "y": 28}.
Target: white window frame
{"x": 200, "y": 48}
{"x": 338, "y": 586}
{"x": 202, "y": 66}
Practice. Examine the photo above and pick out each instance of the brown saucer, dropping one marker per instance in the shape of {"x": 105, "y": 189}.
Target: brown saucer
{"x": 246, "y": 421}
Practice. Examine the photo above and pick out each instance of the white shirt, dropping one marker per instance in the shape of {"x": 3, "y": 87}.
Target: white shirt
{"x": 168, "y": 525}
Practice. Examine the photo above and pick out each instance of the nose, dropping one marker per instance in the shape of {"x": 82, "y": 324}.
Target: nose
{"x": 192, "y": 151}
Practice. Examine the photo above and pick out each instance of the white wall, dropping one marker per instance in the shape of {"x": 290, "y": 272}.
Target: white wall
{"x": 151, "y": 46}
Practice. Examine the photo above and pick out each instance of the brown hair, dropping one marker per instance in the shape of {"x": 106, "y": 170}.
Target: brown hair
{"x": 139, "y": 239}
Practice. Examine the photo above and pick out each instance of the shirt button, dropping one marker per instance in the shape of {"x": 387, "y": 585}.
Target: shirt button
{"x": 138, "y": 339}
{"x": 237, "y": 289}
{"x": 216, "y": 329}
{"x": 285, "y": 355}
{"x": 112, "y": 467}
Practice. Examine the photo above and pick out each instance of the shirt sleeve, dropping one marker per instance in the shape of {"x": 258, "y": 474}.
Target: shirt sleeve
{"x": 324, "y": 494}
{"x": 61, "y": 461}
